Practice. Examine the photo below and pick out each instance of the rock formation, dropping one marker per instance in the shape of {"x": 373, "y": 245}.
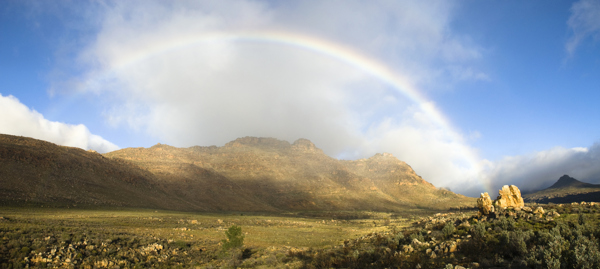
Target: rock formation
{"x": 508, "y": 196}
{"x": 484, "y": 203}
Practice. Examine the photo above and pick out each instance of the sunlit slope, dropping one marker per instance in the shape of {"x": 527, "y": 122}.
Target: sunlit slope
{"x": 248, "y": 174}
{"x": 277, "y": 175}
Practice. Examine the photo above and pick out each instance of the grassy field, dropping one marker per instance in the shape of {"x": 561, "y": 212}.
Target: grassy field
{"x": 88, "y": 238}
{"x": 538, "y": 236}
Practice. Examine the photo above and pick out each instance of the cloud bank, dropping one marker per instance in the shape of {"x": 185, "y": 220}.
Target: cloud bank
{"x": 214, "y": 91}
{"x": 542, "y": 169}
{"x": 18, "y": 119}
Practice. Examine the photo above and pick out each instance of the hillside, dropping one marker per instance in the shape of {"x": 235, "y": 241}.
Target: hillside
{"x": 247, "y": 174}
{"x": 566, "y": 190}
{"x": 41, "y": 173}
{"x": 297, "y": 176}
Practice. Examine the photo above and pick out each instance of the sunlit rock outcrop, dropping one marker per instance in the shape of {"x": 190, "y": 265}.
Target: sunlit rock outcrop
{"x": 509, "y": 196}
{"x": 484, "y": 203}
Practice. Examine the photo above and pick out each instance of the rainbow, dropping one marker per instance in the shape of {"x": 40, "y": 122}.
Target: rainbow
{"x": 335, "y": 51}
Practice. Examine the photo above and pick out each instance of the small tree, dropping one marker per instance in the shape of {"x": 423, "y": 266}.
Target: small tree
{"x": 235, "y": 238}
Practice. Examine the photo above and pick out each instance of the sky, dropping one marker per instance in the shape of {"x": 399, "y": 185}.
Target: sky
{"x": 472, "y": 95}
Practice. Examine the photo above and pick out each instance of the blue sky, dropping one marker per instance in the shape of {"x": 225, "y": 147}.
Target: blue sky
{"x": 517, "y": 81}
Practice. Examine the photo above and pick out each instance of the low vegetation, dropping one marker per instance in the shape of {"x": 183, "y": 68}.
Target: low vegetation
{"x": 76, "y": 238}
{"x": 563, "y": 236}
{"x": 235, "y": 238}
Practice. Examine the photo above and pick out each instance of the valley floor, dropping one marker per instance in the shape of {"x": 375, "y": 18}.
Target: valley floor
{"x": 107, "y": 238}
{"x": 551, "y": 236}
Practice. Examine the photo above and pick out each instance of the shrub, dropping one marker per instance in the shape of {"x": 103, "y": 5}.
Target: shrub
{"x": 478, "y": 231}
{"x": 235, "y": 238}
{"x": 518, "y": 242}
{"x": 584, "y": 253}
{"x": 417, "y": 235}
{"x": 507, "y": 224}
{"x": 581, "y": 219}
{"x": 448, "y": 230}
{"x": 399, "y": 237}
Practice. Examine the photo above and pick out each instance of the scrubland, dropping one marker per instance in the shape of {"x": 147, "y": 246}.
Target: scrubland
{"x": 110, "y": 238}
{"x": 563, "y": 236}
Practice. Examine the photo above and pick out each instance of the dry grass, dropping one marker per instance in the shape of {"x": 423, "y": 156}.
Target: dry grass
{"x": 260, "y": 230}
{"x": 269, "y": 237}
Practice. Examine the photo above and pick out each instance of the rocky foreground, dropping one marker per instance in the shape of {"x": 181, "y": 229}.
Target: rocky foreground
{"x": 555, "y": 236}
{"x": 505, "y": 235}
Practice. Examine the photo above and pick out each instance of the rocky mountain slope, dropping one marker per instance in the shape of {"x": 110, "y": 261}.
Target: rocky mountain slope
{"x": 41, "y": 173}
{"x": 566, "y": 190}
{"x": 248, "y": 174}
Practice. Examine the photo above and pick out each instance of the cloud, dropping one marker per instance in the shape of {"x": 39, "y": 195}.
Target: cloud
{"x": 439, "y": 156}
{"x": 584, "y": 23}
{"x": 18, "y": 119}
{"x": 540, "y": 170}
{"x": 214, "y": 91}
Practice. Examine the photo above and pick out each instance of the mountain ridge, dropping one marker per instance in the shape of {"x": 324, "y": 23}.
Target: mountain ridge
{"x": 568, "y": 182}
{"x": 246, "y": 174}
{"x": 566, "y": 190}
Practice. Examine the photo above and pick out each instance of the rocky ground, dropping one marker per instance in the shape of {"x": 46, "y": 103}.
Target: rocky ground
{"x": 536, "y": 236}
{"x": 549, "y": 236}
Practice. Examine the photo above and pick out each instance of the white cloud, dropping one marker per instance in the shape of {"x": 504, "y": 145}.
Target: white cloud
{"x": 215, "y": 91}
{"x": 18, "y": 119}
{"x": 584, "y": 23}
{"x": 541, "y": 169}
{"x": 437, "y": 155}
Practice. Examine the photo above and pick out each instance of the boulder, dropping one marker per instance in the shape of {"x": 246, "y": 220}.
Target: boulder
{"x": 509, "y": 196}
{"x": 539, "y": 211}
{"x": 484, "y": 203}
{"x": 418, "y": 244}
{"x": 453, "y": 247}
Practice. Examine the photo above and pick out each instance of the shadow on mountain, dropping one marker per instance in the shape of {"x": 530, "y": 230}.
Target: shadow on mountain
{"x": 247, "y": 174}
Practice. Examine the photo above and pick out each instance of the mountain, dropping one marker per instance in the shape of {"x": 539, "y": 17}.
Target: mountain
{"x": 247, "y": 174}
{"x": 566, "y": 190}
{"x": 41, "y": 173}
{"x": 566, "y": 182}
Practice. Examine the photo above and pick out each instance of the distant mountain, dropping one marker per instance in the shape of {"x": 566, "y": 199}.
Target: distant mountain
{"x": 566, "y": 190}
{"x": 569, "y": 182}
{"x": 247, "y": 174}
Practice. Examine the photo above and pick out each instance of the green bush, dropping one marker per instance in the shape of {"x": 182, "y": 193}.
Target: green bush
{"x": 235, "y": 238}
{"x": 478, "y": 231}
{"x": 448, "y": 230}
{"x": 518, "y": 242}
{"x": 417, "y": 235}
{"x": 507, "y": 224}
